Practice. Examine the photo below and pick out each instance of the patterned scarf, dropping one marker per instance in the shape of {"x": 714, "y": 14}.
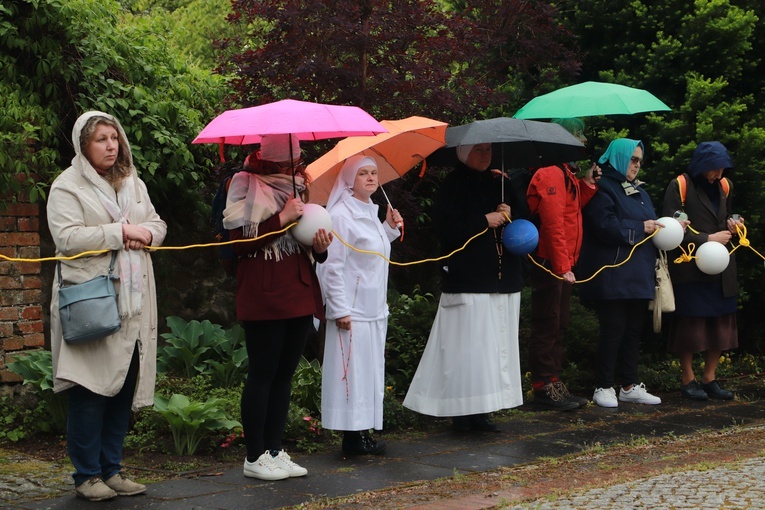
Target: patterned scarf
{"x": 131, "y": 280}
{"x": 253, "y": 198}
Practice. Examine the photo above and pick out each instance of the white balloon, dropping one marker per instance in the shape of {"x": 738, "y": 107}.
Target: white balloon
{"x": 712, "y": 257}
{"x": 670, "y": 235}
{"x": 314, "y": 217}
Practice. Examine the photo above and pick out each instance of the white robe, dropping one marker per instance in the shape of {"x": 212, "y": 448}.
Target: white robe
{"x": 355, "y": 284}
{"x": 470, "y": 364}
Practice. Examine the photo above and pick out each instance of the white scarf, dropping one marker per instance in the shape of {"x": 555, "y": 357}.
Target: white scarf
{"x": 253, "y": 198}
{"x": 131, "y": 276}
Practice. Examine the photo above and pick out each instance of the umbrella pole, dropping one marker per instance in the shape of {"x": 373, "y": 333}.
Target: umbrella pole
{"x": 292, "y": 166}
{"x": 502, "y": 175}
{"x": 388, "y": 200}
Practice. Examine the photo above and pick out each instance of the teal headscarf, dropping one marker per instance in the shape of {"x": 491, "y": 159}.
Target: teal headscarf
{"x": 619, "y": 153}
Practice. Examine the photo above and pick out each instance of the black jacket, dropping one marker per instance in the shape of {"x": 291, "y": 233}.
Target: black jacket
{"x": 459, "y": 212}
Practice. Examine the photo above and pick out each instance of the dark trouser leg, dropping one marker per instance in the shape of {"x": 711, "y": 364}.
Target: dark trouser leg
{"x": 117, "y": 420}
{"x": 274, "y": 349}
{"x": 96, "y": 428}
{"x": 549, "y": 318}
{"x": 621, "y": 323}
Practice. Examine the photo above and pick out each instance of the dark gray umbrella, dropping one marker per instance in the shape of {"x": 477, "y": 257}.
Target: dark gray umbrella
{"x": 525, "y": 143}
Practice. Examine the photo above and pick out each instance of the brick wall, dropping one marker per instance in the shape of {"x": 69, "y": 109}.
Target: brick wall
{"x": 21, "y": 296}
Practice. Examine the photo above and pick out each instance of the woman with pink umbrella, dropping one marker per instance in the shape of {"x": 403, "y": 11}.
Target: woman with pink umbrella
{"x": 276, "y": 298}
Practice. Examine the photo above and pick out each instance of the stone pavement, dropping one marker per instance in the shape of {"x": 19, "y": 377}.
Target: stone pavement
{"x": 741, "y": 485}
{"x": 526, "y": 437}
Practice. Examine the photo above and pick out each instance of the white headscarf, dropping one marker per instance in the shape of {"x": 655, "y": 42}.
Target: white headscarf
{"x": 343, "y": 186}
{"x": 463, "y": 151}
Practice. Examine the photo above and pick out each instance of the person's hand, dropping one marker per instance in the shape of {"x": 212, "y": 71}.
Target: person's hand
{"x": 344, "y": 323}
{"x": 293, "y": 210}
{"x": 393, "y": 218}
{"x": 593, "y": 175}
{"x": 497, "y": 172}
{"x": 136, "y": 237}
{"x": 649, "y": 226}
{"x": 721, "y": 237}
{"x": 684, "y": 224}
{"x": 495, "y": 219}
{"x": 321, "y": 240}
{"x": 733, "y": 223}
{"x": 569, "y": 277}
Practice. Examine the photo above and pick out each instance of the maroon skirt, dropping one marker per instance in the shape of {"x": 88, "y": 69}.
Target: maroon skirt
{"x": 699, "y": 334}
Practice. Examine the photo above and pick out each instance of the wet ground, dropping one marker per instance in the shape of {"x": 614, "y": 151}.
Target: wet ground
{"x": 417, "y": 472}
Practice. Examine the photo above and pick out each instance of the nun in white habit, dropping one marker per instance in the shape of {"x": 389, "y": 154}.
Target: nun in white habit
{"x": 354, "y": 286}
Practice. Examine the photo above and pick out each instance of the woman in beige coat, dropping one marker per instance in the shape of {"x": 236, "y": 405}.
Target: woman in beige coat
{"x": 99, "y": 203}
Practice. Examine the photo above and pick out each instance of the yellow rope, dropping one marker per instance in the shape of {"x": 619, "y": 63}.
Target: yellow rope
{"x": 151, "y": 248}
{"x": 685, "y": 257}
{"x": 599, "y": 270}
{"x": 389, "y": 261}
{"x": 222, "y": 243}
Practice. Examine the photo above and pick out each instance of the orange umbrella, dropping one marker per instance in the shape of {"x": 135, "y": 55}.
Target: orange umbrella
{"x": 407, "y": 142}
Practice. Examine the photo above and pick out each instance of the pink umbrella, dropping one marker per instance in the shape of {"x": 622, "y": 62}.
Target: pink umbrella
{"x": 303, "y": 119}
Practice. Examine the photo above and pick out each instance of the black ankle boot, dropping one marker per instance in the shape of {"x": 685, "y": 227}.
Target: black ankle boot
{"x": 483, "y": 423}
{"x": 361, "y": 443}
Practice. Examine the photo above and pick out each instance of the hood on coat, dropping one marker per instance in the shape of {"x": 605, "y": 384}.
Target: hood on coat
{"x": 709, "y": 156}
{"x": 619, "y": 153}
{"x": 79, "y": 160}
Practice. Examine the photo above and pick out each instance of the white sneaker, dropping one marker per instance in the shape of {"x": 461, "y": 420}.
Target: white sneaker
{"x": 605, "y": 397}
{"x": 638, "y": 395}
{"x": 285, "y": 462}
{"x": 264, "y": 468}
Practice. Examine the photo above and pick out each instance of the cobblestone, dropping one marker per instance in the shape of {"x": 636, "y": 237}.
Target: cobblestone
{"x": 739, "y": 485}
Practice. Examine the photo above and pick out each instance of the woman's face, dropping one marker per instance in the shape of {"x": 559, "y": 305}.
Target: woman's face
{"x": 713, "y": 175}
{"x": 635, "y": 161}
{"x": 365, "y": 183}
{"x": 102, "y": 148}
{"x": 480, "y": 157}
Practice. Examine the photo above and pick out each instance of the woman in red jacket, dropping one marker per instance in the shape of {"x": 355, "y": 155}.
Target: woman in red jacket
{"x": 276, "y": 298}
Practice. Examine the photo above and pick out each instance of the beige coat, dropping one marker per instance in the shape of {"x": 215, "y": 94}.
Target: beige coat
{"x": 79, "y": 222}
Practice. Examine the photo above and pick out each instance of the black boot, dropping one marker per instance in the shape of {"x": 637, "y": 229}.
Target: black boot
{"x": 361, "y": 443}
{"x": 481, "y": 422}
{"x": 461, "y": 423}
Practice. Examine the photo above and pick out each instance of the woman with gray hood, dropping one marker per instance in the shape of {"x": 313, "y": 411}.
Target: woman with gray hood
{"x": 99, "y": 203}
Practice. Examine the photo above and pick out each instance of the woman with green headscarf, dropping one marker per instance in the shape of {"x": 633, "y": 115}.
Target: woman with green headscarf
{"x": 618, "y": 217}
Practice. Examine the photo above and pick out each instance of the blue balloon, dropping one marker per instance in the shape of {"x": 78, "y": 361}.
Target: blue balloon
{"x": 520, "y": 237}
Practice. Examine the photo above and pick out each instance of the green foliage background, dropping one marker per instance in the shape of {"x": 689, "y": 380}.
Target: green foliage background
{"x": 166, "y": 67}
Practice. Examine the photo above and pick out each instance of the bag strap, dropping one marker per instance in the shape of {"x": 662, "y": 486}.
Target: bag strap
{"x": 111, "y": 268}
{"x": 725, "y": 185}
{"x": 682, "y": 183}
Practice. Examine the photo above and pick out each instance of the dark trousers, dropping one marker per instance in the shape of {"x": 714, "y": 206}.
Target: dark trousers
{"x": 621, "y": 324}
{"x": 274, "y": 349}
{"x": 96, "y": 427}
{"x": 549, "y": 319}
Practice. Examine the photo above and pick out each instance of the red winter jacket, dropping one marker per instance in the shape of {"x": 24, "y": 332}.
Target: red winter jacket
{"x": 557, "y": 197}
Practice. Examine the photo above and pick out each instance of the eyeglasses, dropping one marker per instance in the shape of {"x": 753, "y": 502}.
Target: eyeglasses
{"x": 636, "y": 160}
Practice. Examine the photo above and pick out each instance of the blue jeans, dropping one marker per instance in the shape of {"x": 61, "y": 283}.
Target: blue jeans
{"x": 96, "y": 427}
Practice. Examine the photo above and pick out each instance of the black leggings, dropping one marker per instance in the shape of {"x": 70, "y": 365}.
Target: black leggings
{"x": 274, "y": 349}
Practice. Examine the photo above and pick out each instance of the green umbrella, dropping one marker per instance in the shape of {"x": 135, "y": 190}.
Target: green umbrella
{"x": 589, "y": 99}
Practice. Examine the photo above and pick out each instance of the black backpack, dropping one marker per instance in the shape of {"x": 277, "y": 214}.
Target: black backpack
{"x": 225, "y": 253}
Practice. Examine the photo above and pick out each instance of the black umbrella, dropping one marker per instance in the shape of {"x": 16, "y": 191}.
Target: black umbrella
{"x": 525, "y": 143}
